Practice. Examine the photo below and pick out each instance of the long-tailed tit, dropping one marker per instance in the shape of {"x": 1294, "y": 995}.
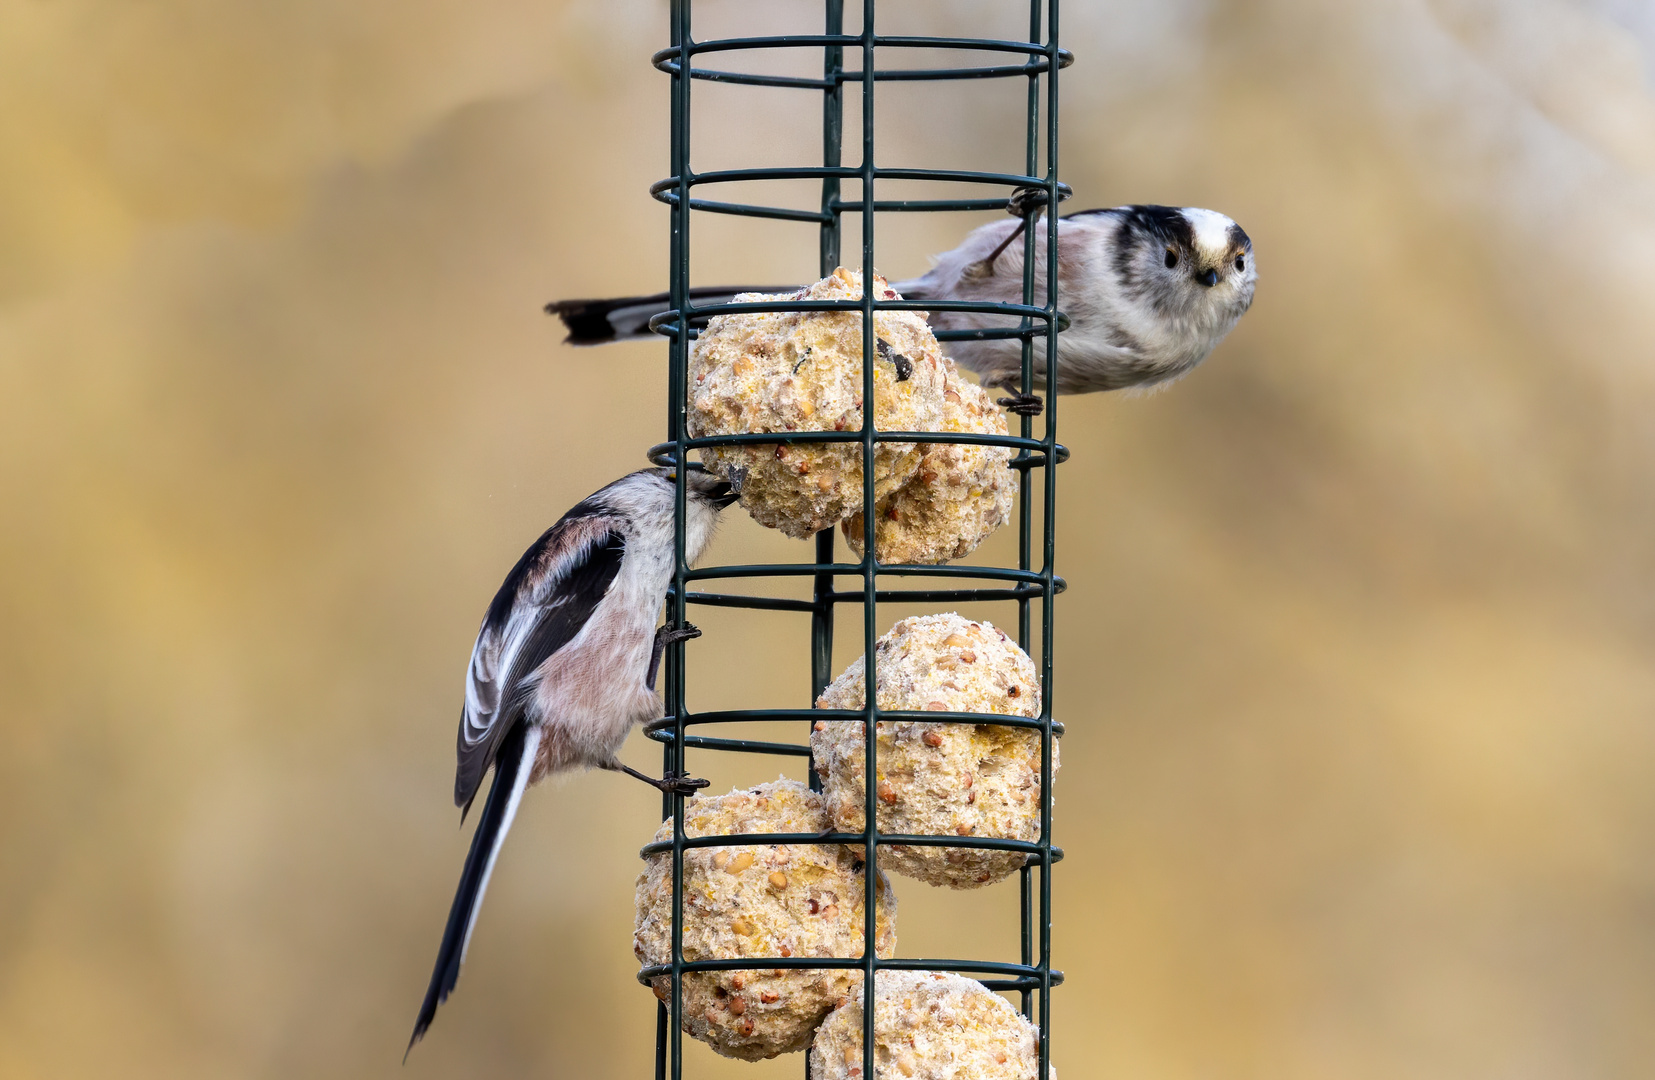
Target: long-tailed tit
{"x": 565, "y": 665}
{"x": 1149, "y": 291}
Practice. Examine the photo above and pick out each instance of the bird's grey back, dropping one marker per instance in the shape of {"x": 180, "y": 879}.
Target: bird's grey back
{"x": 962, "y": 274}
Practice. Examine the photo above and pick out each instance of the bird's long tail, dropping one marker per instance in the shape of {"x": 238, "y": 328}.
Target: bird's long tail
{"x": 512, "y": 767}
{"x": 599, "y": 322}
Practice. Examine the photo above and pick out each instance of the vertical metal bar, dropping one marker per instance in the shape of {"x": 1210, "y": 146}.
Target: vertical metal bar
{"x": 661, "y": 1021}
{"x": 833, "y": 130}
{"x": 833, "y": 127}
{"x": 821, "y": 633}
{"x": 1025, "y": 509}
{"x": 676, "y": 395}
{"x": 1048, "y": 571}
{"x": 1031, "y": 162}
{"x": 870, "y": 625}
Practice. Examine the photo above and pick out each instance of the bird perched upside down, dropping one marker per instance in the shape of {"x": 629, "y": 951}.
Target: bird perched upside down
{"x": 1149, "y": 291}
{"x": 565, "y": 665}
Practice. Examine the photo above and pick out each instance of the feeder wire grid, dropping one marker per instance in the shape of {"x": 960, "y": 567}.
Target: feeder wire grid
{"x": 1037, "y": 60}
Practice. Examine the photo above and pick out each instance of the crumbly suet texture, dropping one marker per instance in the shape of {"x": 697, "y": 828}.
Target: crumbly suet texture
{"x": 929, "y": 1025}
{"x": 940, "y": 779}
{"x": 958, "y": 495}
{"x": 760, "y": 901}
{"x": 802, "y": 371}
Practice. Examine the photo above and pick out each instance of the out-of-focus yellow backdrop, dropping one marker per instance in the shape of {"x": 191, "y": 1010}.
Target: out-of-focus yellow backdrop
{"x": 1355, "y": 658}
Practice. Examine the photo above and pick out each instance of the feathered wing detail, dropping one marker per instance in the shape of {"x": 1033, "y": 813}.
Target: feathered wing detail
{"x": 958, "y": 274}
{"x": 511, "y": 778}
{"x": 988, "y": 267}
{"x": 599, "y": 322}
{"x": 1092, "y": 211}
{"x": 545, "y": 601}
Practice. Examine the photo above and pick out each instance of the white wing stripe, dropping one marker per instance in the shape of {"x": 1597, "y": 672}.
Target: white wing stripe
{"x": 519, "y": 784}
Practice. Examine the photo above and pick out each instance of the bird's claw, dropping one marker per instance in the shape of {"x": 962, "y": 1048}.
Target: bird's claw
{"x": 683, "y": 784}
{"x": 680, "y": 783}
{"x": 1023, "y": 404}
{"x": 664, "y": 636}
{"x": 669, "y": 633}
{"x": 1026, "y": 200}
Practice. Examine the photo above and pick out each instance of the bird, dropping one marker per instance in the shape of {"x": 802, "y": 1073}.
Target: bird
{"x": 565, "y": 664}
{"x": 1149, "y": 292}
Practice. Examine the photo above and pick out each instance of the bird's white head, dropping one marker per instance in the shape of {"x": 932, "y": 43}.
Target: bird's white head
{"x": 646, "y": 498}
{"x": 1186, "y": 263}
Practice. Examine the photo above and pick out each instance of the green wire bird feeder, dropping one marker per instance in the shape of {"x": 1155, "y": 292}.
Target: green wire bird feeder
{"x": 1032, "y": 585}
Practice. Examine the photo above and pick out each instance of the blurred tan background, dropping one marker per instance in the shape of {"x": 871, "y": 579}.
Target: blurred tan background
{"x": 1356, "y": 657}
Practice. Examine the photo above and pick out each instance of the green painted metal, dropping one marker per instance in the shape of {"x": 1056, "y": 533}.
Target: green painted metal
{"x": 1033, "y": 582}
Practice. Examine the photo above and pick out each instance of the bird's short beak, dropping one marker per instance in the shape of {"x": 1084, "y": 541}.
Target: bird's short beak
{"x": 1209, "y": 278}
{"x": 722, "y": 495}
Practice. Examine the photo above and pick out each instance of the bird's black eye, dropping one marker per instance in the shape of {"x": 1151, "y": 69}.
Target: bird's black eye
{"x": 1172, "y": 258}
{"x": 1241, "y": 262}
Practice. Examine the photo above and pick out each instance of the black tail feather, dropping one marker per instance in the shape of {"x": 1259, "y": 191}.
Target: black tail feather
{"x": 511, "y": 768}
{"x": 626, "y": 318}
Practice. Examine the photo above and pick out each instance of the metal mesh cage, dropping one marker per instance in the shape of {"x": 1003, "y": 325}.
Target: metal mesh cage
{"x": 1032, "y": 583}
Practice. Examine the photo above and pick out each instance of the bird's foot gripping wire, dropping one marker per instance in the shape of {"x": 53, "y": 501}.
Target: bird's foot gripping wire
{"x": 1026, "y": 200}
{"x": 681, "y": 784}
{"x": 672, "y": 784}
{"x": 1023, "y": 404}
{"x": 669, "y": 633}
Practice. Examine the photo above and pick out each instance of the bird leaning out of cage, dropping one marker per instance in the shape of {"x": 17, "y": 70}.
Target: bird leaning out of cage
{"x": 565, "y": 665}
{"x": 1149, "y": 291}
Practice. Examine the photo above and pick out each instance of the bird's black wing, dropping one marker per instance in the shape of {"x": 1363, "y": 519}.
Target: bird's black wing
{"x": 545, "y": 601}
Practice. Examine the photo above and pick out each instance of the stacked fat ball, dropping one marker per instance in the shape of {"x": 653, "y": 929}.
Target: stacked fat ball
{"x": 944, "y": 778}
{"x": 959, "y": 494}
{"x": 784, "y": 372}
{"x": 806, "y": 900}
{"x": 763, "y": 900}
{"x": 928, "y": 1025}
